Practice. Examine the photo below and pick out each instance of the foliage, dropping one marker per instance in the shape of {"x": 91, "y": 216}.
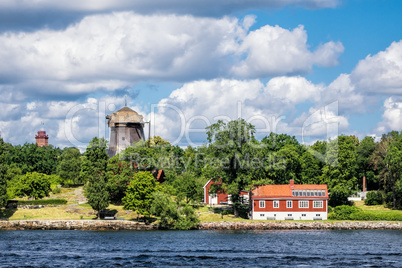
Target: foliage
{"x": 31, "y": 158}
{"x": 70, "y": 165}
{"x": 188, "y": 187}
{"x": 164, "y": 207}
{"x": 374, "y": 198}
{"x": 230, "y": 143}
{"x": 187, "y": 220}
{"x": 119, "y": 174}
{"x": 139, "y": 193}
{"x": 3, "y": 185}
{"x": 171, "y": 216}
{"x": 356, "y": 214}
{"x": 95, "y": 159}
{"x": 339, "y": 196}
{"x": 157, "y": 141}
{"x": 96, "y": 193}
{"x": 343, "y": 212}
{"x": 38, "y": 202}
{"x": 34, "y": 185}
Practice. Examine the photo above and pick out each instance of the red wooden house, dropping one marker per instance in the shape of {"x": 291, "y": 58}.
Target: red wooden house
{"x": 220, "y": 197}
{"x": 290, "y": 202}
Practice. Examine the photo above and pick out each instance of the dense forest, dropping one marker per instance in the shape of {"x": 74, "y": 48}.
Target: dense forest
{"x": 232, "y": 155}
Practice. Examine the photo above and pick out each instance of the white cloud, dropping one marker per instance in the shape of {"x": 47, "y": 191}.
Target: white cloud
{"x": 381, "y": 73}
{"x": 274, "y": 51}
{"x": 191, "y": 108}
{"x": 392, "y": 116}
{"x": 109, "y": 52}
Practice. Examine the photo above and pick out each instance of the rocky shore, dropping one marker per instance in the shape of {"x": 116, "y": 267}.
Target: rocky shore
{"x": 129, "y": 225}
{"x": 288, "y": 225}
{"x": 74, "y": 225}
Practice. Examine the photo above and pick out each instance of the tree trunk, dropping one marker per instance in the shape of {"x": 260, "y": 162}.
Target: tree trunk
{"x": 98, "y": 214}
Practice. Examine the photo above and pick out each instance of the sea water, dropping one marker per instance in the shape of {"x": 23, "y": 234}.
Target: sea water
{"x": 357, "y": 248}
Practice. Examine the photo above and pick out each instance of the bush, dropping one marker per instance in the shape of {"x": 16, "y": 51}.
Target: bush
{"x": 374, "y": 198}
{"x": 38, "y": 202}
{"x": 355, "y": 214}
{"x": 56, "y": 190}
{"x": 343, "y": 212}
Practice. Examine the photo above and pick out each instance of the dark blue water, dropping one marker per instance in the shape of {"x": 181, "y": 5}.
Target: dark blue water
{"x": 201, "y": 248}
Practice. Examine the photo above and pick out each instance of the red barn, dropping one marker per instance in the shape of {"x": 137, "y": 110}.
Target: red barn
{"x": 290, "y": 202}
{"x": 220, "y": 197}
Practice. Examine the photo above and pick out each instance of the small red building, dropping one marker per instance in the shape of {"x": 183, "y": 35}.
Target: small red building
{"x": 42, "y": 139}
{"x": 220, "y": 197}
{"x": 290, "y": 202}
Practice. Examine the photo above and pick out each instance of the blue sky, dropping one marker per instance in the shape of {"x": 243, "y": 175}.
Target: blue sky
{"x": 309, "y": 68}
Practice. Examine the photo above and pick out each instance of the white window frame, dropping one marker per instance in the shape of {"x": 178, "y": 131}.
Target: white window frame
{"x": 289, "y": 202}
{"x": 275, "y": 204}
{"x": 262, "y": 203}
{"x": 316, "y": 202}
{"x": 303, "y": 202}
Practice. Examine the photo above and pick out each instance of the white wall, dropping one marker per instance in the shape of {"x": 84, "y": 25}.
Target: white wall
{"x": 263, "y": 215}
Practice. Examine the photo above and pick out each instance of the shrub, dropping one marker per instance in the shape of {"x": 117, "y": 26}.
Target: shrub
{"x": 374, "y": 198}
{"x": 343, "y": 212}
{"x": 38, "y": 202}
{"x": 56, "y": 190}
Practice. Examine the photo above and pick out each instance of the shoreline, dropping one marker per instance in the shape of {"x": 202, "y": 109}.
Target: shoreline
{"x": 104, "y": 225}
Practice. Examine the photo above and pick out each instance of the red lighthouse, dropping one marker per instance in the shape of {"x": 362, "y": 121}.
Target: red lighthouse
{"x": 42, "y": 139}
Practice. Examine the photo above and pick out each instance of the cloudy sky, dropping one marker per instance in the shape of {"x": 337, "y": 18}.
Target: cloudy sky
{"x": 309, "y": 68}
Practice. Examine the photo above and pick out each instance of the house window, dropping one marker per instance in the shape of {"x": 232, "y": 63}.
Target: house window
{"x": 262, "y": 204}
{"x": 289, "y": 215}
{"x": 289, "y": 204}
{"x": 276, "y": 204}
{"x": 123, "y": 138}
{"x": 303, "y": 204}
{"x": 317, "y": 215}
{"x": 262, "y": 215}
{"x": 317, "y": 204}
{"x": 304, "y": 215}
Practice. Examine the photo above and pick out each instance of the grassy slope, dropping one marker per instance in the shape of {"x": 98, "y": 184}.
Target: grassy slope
{"x": 71, "y": 211}
{"x": 75, "y": 211}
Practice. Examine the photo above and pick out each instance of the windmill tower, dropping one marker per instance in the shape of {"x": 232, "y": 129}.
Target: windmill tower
{"x": 126, "y": 127}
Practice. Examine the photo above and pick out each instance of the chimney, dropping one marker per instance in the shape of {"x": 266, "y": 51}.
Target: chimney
{"x": 364, "y": 184}
{"x": 291, "y": 182}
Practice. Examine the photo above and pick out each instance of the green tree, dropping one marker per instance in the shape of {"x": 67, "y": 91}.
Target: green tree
{"x": 188, "y": 187}
{"x": 289, "y": 165}
{"x": 229, "y": 144}
{"x": 31, "y": 158}
{"x": 171, "y": 215}
{"x": 139, "y": 194}
{"x": 311, "y": 169}
{"x": 34, "y": 185}
{"x": 187, "y": 219}
{"x": 119, "y": 174}
{"x": 363, "y": 153}
{"x": 97, "y": 193}
{"x": 95, "y": 159}
{"x": 69, "y": 167}
{"x": 164, "y": 207}
{"x": 157, "y": 141}
{"x": 3, "y": 173}
{"x": 394, "y": 163}
{"x": 3, "y": 185}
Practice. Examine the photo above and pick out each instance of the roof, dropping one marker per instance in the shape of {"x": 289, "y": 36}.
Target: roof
{"x": 126, "y": 109}
{"x": 124, "y": 116}
{"x": 285, "y": 191}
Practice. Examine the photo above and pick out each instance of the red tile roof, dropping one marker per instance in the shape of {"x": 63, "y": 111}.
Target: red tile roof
{"x": 284, "y": 191}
